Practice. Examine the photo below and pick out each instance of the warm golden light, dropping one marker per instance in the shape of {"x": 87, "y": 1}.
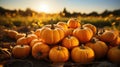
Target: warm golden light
{"x": 44, "y": 8}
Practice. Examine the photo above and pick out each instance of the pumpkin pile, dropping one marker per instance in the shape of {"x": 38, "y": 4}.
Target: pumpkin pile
{"x": 61, "y": 42}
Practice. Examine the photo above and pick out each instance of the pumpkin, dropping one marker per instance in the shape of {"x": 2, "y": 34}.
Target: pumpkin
{"x": 52, "y": 34}
{"x": 73, "y": 23}
{"x": 114, "y": 54}
{"x": 92, "y": 27}
{"x": 84, "y": 34}
{"x": 40, "y": 50}
{"x": 32, "y": 43}
{"x": 19, "y": 35}
{"x": 107, "y": 36}
{"x": 82, "y": 54}
{"x": 63, "y": 24}
{"x": 12, "y": 33}
{"x": 21, "y": 51}
{"x": 115, "y": 42}
{"x": 4, "y": 54}
{"x": 30, "y": 37}
{"x": 70, "y": 42}
{"x": 27, "y": 39}
{"x": 59, "y": 54}
{"x": 99, "y": 47}
{"x": 69, "y": 31}
{"x": 37, "y": 32}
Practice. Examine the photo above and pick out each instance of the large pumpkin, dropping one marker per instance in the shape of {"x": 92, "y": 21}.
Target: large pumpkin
{"x": 84, "y": 34}
{"x": 73, "y": 23}
{"x": 52, "y": 34}
{"x": 21, "y": 51}
{"x": 92, "y": 27}
{"x": 82, "y": 54}
{"x": 114, "y": 54}
{"x": 99, "y": 47}
{"x": 40, "y": 50}
{"x": 59, "y": 54}
{"x": 70, "y": 42}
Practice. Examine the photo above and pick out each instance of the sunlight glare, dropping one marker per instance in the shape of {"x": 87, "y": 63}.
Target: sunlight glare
{"x": 44, "y": 8}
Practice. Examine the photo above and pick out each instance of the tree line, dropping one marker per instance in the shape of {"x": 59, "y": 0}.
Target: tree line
{"x": 63, "y": 13}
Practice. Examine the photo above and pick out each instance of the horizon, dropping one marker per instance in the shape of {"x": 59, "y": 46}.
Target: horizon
{"x": 56, "y": 6}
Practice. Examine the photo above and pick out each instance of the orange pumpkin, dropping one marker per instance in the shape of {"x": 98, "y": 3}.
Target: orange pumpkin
{"x": 92, "y": 27}
{"x": 84, "y": 34}
{"x": 52, "y": 34}
{"x": 69, "y": 31}
{"x": 82, "y": 54}
{"x": 12, "y": 33}
{"x": 59, "y": 54}
{"x": 114, "y": 54}
{"x": 22, "y": 41}
{"x": 73, "y": 23}
{"x": 21, "y": 51}
{"x": 63, "y": 24}
{"x": 99, "y": 47}
{"x": 37, "y": 32}
{"x": 107, "y": 36}
{"x": 40, "y": 50}
{"x": 115, "y": 42}
{"x": 70, "y": 42}
{"x": 34, "y": 41}
{"x": 30, "y": 37}
{"x": 19, "y": 35}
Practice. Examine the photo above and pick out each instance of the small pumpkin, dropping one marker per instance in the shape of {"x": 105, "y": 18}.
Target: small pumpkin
{"x": 19, "y": 35}
{"x": 21, "y": 51}
{"x": 52, "y": 34}
{"x": 114, "y": 54}
{"x": 73, "y": 23}
{"x": 82, "y": 54}
{"x": 63, "y": 24}
{"x": 107, "y": 36}
{"x": 69, "y": 31}
{"x": 12, "y": 33}
{"x": 37, "y": 32}
{"x": 30, "y": 37}
{"x": 70, "y": 42}
{"x": 22, "y": 40}
{"x": 32, "y": 43}
{"x": 84, "y": 34}
{"x": 92, "y": 27}
{"x": 59, "y": 54}
{"x": 99, "y": 47}
{"x": 115, "y": 42}
{"x": 40, "y": 50}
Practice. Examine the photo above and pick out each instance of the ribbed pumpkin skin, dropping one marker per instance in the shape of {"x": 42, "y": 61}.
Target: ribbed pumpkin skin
{"x": 99, "y": 47}
{"x": 114, "y": 54}
{"x": 107, "y": 36}
{"x": 21, "y": 51}
{"x": 70, "y": 42}
{"x": 52, "y": 36}
{"x": 80, "y": 55}
{"x": 73, "y": 23}
{"x": 40, "y": 50}
{"x": 92, "y": 27}
{"x": 59, "y": 54}
{"x": 63, "y": 24}
{"x": 83, "y": 34}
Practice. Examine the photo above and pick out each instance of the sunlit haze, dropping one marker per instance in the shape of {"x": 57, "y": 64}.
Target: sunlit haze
{"x": 55, "y": 6}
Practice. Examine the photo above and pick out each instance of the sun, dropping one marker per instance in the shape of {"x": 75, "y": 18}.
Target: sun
{"x": 44, "y": 8}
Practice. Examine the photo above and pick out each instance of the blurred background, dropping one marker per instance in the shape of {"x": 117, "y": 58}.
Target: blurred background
{"x": 17, "y": 14}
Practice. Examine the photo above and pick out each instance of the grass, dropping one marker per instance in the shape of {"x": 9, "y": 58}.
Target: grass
{"x": 39, "y": 21}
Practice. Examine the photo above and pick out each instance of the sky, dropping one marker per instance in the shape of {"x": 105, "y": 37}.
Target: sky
{"x": 55, "y": 6}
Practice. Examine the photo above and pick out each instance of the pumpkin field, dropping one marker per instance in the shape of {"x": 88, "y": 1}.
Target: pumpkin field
{"x": 67, "y": 38}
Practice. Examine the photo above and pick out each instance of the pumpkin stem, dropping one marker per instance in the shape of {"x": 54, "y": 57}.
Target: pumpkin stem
{"x": 93, "y": 40}
{"x": 82, "y": 46}
{"x": 59, "y": 47}
{"x": 69, "y": 36}
{"x": 22, "y": 45}
{"x": 52, "y": 25}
